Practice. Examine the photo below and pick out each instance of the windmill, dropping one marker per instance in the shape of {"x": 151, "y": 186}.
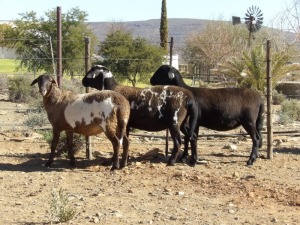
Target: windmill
{"x": 253, "y": 20}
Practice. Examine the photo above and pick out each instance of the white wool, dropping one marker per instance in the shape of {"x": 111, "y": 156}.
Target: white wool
{"x": 79, "y": 111}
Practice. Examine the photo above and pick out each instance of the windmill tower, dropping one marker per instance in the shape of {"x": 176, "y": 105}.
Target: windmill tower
{"x": 253, "y": 20}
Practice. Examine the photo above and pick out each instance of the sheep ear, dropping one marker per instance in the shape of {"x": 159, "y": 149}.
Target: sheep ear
{"x": 53, "y": 81}
{"x": 171, "y": 75}
{"x": 34, "y": 82}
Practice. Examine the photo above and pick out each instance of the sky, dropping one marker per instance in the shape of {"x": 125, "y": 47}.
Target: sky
{"x": 134, "y": 10}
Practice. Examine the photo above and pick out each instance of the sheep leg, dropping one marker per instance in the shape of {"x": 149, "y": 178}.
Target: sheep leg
{"x": 185, "y": 154}
{"x": 70, "y": 147}
{"x": 255, "y": 143}
{"x": 175, "y": 134}
{"x": 125, "y": 151}
{"x": 54, "y": 142}
{"x": 116, "y": 146}
{"x": 193, "y": 141}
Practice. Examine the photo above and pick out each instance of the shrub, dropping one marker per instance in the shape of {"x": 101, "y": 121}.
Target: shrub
{"x": 19, "y": 89}
{"x": 62, "y": 147}
{"x": 3, "y": 83}
{"x": 278, "y": 98}
{"x": 290, "y": 111}
{"x": 60, "y": 210}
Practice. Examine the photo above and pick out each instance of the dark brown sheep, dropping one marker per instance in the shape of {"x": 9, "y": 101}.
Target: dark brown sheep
{"x": 221, "y": 109}
{"x": 153, "y": 109}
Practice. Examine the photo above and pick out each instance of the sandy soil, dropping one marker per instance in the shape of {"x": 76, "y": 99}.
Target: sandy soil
{"x": 222, "y": 191}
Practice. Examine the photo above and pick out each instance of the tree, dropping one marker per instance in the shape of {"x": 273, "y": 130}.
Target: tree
{"x": 164, "y": 26}
{"x": 31, "y": 38}
{"x": 252, "y": 64}
{"x": 130, "y": 58}
{"x": 218, "y": 41}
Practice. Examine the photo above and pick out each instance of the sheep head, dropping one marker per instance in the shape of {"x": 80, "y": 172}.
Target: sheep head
{"x": 164, "y": 75}
{"x": 45, "y": 83}
{"x": 95, "y": 77}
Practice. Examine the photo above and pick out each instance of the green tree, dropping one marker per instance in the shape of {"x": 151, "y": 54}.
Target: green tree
{"x": 31, "y": 38}
{"x": 164, "y": 26}
{"x": 252, "y": 64}
{"x": 130, "y": 58}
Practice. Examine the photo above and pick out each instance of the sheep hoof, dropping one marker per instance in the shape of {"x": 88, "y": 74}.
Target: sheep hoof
{"x": 171, "y": 164}
{"x": 72, "y": 163}
{"x": 250, "y": 162}
{"x": 114, "y": 168}
{"x": 48, "y": 164}
{"x": 183, "y": 160}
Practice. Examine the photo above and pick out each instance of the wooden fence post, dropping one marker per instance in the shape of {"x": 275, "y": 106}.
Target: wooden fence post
{"x": 269, "y": 103}
{"x": 167, "y": 131}
{"x": 88, "y": 152}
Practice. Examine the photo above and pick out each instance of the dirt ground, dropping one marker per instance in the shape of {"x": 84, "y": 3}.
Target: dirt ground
{"x": 221, "y": 191}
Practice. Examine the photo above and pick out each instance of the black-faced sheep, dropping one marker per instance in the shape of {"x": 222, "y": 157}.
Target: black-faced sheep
{"x": 153, "y": 109}
{"x": 221, "y": 109}
{"x": 86, "y": 114}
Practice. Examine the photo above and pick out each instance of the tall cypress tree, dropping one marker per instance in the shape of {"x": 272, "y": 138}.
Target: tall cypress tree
{"x": 164, "y": 26}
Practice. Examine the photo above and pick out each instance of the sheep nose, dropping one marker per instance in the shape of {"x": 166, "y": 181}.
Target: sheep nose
{"x": 43, "y": 92}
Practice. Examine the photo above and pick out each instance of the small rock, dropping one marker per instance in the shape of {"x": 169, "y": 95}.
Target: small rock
{"x": 173, "y": 218}
{"x": 116, "y": 213}
{"x": 231, "y": 147}
{"x": 235, "y": 174}
{"x": 179, "y": 193}
{"x": 95, "y": 220}
{"x": 231, "y": 211}
{"x": 274, "y": 220}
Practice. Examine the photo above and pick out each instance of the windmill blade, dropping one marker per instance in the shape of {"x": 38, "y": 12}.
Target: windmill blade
{"x": 253, "y": 19}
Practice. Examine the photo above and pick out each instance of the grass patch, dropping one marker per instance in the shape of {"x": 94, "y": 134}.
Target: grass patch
{"x": 9, "y": 66}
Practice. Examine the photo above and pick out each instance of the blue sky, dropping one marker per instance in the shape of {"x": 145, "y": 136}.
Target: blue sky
{"x": 132, "y": 10}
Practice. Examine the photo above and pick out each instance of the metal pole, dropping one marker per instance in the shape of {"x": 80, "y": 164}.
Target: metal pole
{"x": 87, "y": 67}
{"x": 269, "y": 103}
{"x": 167, "y": 131}
{"x": 59, "y": 46}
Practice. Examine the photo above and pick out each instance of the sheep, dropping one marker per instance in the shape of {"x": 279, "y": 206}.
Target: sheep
{"x": 86, "y": 114}
{"x": 154, "y": 108}
{"x": 221, "y": 109}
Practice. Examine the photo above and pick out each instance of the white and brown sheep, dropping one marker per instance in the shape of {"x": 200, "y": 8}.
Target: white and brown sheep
{"x": 153, "y": 109}
{"x": 86, "y": 114}
{"x": 221, "y": 109}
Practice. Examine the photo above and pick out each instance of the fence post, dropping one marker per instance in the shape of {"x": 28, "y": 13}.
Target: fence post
{"x": 59, "y": 46}
{"x": 88, "y": 152}
{"x": 269, "y": 103}
{"x": 167, "y": 131}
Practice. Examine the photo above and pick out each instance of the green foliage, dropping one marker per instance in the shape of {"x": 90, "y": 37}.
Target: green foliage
{"x": 20, "y": 91}
{"x": 34, "y": 37}
{"x": 36, "y": 119}
{"x": 3, "y": 84}
{"x": 278, "y": 98}
{"x": 252, "y": 64}
{"x": 290, "y": 111}
{"x": 130, "y": 58}
{"x": 62, "y": 147}
{"x": 60, "y": 211}
{"x": 163, "y": 29}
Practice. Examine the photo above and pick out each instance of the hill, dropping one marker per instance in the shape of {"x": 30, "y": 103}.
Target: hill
{"x": 179, "y": 29}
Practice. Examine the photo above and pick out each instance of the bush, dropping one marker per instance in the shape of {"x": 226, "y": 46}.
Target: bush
{"x": 20, "y": 91}
{"x": 3, "y": 83}
{"x": 62, "y": 147}
{"x": 278, "y": 98}
{"x": 60, "y": 210}
{"x": 290, "y": 111}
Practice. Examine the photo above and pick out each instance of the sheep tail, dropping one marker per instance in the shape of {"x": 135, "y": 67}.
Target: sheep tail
{"x": 122, "y": 125}
{"x": 193, "y": 116}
